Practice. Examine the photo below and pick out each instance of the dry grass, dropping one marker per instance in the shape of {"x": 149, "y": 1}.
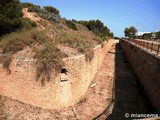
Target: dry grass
{"x": 83, "y": 43}
{"x": 48, "y": 58}
{"x": 16, "y": 41}
{"x": 158, "y": 40}
{"x": 44, "y": 23}
{"x": 5, "y": 59}
{"x": 43, "y": 15}
{"x": 78, "y": 42}
{"x": 71, "y": 25}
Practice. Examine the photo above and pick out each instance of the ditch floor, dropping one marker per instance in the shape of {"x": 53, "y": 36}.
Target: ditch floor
{"x": 130, "y": 97}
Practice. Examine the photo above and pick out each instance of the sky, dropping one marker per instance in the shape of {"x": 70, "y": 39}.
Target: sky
{"x": 115, "y": 14}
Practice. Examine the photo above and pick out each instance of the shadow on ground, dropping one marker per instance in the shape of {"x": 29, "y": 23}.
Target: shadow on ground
{"x": 129, "y": 96}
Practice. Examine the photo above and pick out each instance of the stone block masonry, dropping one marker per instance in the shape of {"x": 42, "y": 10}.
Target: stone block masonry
{"x": 147, "y": 67}
{"x": 64, "y": 90}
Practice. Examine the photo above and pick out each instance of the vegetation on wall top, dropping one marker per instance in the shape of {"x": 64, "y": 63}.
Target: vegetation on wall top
{"x": 17, "y": 32}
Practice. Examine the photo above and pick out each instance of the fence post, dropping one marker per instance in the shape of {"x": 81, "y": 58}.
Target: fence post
{"x": 147, "y": 45}
{"x": 151, "y": 46}
{"x": 158, "y": 49}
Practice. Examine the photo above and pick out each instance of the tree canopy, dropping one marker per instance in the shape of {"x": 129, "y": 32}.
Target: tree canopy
{"x": 10, "y": 16}
{"x": 31, "y": 7}
{"x": 130, "y": 32}
{"x": 97, "y": 27}
{"x": 51, "y": 9}
{"x": 158, "y": 35}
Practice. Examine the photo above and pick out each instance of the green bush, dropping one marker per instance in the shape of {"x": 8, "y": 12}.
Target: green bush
{"x": 97, "y": 27}
{"x": 12, "y": 45}
{"x": 16, "y": 41}
{"x": 5, "y": 59}
{"x": 10, "y": 17}
{"x": 71, "y": 25}
{"x": 78, "y": 42}
{"x": 43, "y": 16}
{"x": 28, "y": 24}
{"x": 51, "y": 9}
{"x": 48, "y": 58}
{"x": 157, "y": 35}
{"x": 31, "y": 7}
{"x": 130, "y": 32}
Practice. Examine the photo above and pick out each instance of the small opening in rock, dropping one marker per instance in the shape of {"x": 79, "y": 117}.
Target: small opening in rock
{"x": 64, "y": 71}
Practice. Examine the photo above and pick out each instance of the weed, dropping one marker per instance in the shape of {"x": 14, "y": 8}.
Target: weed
{"x": 89, "y": 55}
{"x": 5, "y": 59}
{"x": 28, "y": 24}
{"x": 82, "y": 100}
{"x": 71, "y": 25}
{"x": 44, "y": 23}
{"x": 43, "y": 16}
{"x": 16, "y": 41}
{"x": 48, "y": 58}
{"x": 78, "y": 42}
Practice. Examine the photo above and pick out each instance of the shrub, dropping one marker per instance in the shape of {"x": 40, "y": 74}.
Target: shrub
{"x": 42, "y": 36}
{"x": 12, "y": 45}
{"x": 51, "y": 9}
{"x": 86, "y": 48}
{"x": 43, "y": 16}
{"x": 99, "y": 40}
{"x": 82, "y": 100}
{"x": 28, "y": 24}
{"x": 16, "y": 41}
{"x": 9, "y": 20}
{"x": 157, "y": 35}
{"x": 48, "y": 58}
{"x": 54, "y": 17}
{"x": 44, "y": 23}
{"x": 31, "y": 7}
{"x": 97, "y": 27}
{"x": 71, "y": 25}
{"x": 76, "y": 41}
{"x": 5, "y": 59}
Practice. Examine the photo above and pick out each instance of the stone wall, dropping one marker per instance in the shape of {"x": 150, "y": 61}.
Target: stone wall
{"x": 147, "y": 67}
{"x": 21, "y": 84}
